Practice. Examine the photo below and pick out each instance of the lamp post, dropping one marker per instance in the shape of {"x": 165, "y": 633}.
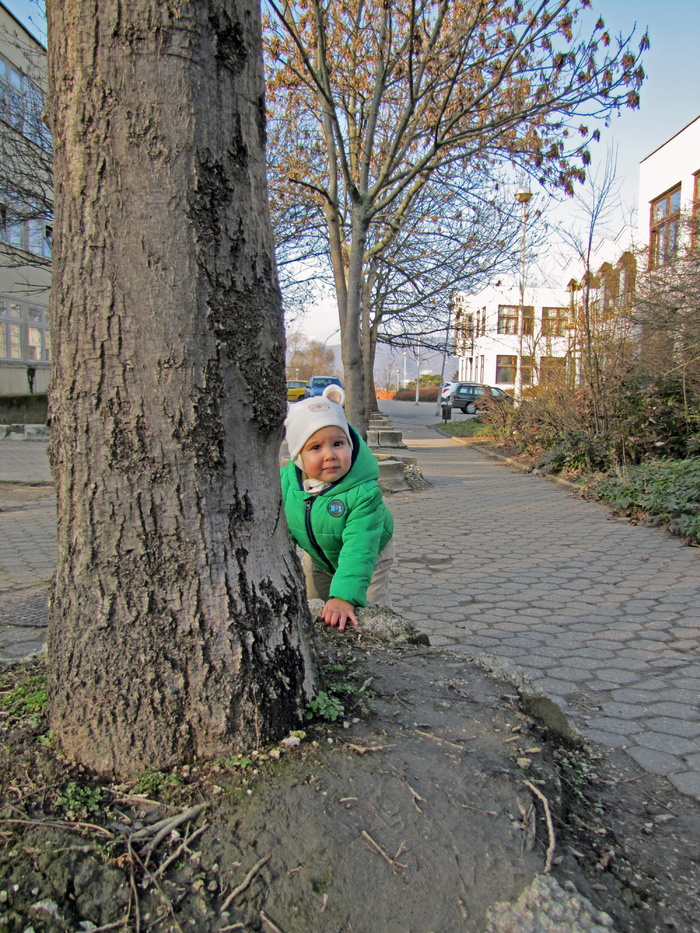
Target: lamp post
{"x": 522, "y": 195}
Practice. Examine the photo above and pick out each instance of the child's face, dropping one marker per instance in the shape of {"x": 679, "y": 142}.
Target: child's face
{"x": 327, "y": 455}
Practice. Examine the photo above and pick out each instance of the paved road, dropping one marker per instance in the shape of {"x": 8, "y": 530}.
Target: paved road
{"x": 604, "y": 615}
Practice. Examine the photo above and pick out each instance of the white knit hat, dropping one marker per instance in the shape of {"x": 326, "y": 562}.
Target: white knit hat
{"x": 310, "y": 415}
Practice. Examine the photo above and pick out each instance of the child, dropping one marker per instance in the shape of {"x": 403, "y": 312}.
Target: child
{"x": 335, "y": 511}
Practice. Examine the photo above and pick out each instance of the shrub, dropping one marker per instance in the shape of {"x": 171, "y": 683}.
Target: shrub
{"x": 656, "y": 418}
{"x": 429, "y": 394}
{"x": 668, "y": 489}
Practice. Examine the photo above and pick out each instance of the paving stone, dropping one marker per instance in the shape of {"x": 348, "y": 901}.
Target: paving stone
{"x": 609, "y": 739}
{"x": 663, "y": 742}
{"x": 687, "y": 782}
{"x": 654, "y": 761}
{"x": 616, "y": 726}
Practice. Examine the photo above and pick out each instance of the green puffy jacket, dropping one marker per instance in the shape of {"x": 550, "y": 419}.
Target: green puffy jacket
{"x": 344, "y": 527}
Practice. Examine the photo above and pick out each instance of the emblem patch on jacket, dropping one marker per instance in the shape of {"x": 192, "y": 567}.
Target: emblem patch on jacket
{"x": 336, "y": 508}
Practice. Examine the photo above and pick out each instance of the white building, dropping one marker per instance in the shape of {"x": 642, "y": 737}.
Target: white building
{"x": 24, "y": 228}
{"x": 669, "y": 190}
{"x": 487, "y": 341}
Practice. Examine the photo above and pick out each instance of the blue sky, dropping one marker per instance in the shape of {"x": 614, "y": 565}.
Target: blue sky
{"x": 670, "y": 97}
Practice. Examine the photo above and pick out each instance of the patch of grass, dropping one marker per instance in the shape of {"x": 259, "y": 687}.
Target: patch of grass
{"x": 471, "y": 428}
{"x": 24, "y": 696}
{"x": 153, "y": 782}
{"x": 79, "y": 801}
{"x": 666, "y": 489}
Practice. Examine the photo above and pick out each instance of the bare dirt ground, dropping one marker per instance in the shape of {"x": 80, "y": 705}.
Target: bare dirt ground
{"x": 431, "y": 798}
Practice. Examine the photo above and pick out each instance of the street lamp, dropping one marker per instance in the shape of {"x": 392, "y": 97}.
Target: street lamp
{"x": 522, "y": 195}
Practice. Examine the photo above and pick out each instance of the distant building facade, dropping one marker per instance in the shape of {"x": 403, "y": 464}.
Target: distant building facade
{"x": 25, "y": 219}
{"x": 487, "y": 339}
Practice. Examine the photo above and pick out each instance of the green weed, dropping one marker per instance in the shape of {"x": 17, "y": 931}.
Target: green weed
{"x": 325, "y": 706}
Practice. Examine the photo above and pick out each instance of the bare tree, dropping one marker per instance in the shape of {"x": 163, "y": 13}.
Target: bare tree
{"x": 604, "y": 331}
{"x": 178, "y": 626}
{"x": 383, "y": 96}
{"x": 307, "y": 358}
{"x": 667, "y": 310}
{"x": 26, "y": 190}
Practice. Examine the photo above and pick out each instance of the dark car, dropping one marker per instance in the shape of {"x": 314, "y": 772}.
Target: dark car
{"x": 318, "y": 383}
{"x": 471, "y": 396}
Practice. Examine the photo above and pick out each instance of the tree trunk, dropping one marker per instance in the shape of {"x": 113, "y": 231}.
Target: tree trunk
{"x": 178, "y": 626}
{"x": 351, "y": 342}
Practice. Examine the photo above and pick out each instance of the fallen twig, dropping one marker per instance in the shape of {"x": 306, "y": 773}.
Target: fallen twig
{"x": 436, "y": 738}
{"x": 245, "y": 883}
{"x": 477, "y": 810}
{"x": 180, "y": 849}
{"x": 363, "y": 749}
{"x": 186, "y": 815}
{"x": 271, "y": 923}
{"x": 416, "y": 797}
{"x": 63, "y": 824}
{"x": 132, "y": 884}
{"x": 550, "y": 826}
{"x": 384, "y": 855}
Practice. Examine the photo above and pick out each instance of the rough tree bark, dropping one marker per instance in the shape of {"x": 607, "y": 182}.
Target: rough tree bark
{"x": 178, "y": 626}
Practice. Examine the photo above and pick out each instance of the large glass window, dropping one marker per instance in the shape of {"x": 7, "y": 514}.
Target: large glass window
{"x": 554, "y": 321}
{"x": 665, "y": 228}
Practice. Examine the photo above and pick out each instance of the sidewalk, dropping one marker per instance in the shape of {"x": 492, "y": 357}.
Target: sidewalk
{"x": 603, "y": 615}
{"x": 27, "y": 545}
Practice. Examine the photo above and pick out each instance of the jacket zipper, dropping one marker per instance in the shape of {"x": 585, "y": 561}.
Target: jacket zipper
{"x": 312, "y": 536}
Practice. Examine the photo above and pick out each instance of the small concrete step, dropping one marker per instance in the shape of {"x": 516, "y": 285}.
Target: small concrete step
{"x": 384, "y": 437}
{"x": 391, "y": 476}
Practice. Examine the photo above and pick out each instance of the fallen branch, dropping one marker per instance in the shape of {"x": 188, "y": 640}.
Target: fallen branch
{"x": 363, "y": 749}
{"x": 550, "y": 826}
{"x": 180, "y": 849}
{"x": 384, "y": 855}
{"x": 245, "y": 883}
{"x": 184, "y": 817}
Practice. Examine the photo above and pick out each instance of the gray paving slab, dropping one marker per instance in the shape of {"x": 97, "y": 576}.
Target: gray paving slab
{"x": 604, "y": 615}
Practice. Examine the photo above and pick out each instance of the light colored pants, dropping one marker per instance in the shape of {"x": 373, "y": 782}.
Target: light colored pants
{"x": 318, "y": 582}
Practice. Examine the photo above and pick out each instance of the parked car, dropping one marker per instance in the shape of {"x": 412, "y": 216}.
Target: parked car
{"x": 470, "y": 396}
{"x": 296, "y": 390}
{"x": 447, "y": 389}
{"x": 318, "y": 383}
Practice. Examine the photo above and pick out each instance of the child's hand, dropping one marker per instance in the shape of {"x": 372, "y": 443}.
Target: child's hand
{"x": 339, "y": 612}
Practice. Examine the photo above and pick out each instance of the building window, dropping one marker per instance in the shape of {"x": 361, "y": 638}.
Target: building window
{"x": 554, "y": 321}
{"x": 23, "y": 325}
{"x": 553, "y": 369}
{"x": 665, "y": 228}
{"x": 506, "y": 367}
{"x": 507, "y": 319}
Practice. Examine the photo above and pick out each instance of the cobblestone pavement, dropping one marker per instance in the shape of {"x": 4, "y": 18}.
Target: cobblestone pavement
{"x": 27, "y": 546}
{"x": 602, "y": 614}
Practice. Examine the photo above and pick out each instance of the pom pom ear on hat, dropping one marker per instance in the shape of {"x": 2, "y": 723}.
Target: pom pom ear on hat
{"x": 310, "y": 415}
{"x": 335, "y": 394}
